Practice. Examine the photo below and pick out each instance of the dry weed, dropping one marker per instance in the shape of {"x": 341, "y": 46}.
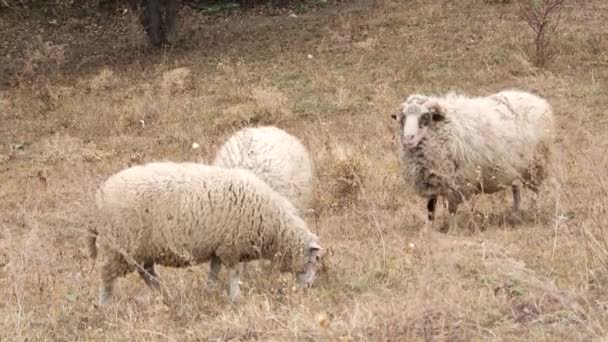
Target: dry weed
{"x": 536, "y": 279}
{"x": 543, "y": 17}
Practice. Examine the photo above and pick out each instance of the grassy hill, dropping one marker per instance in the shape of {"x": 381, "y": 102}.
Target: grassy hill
{"x": 83, "y": 96}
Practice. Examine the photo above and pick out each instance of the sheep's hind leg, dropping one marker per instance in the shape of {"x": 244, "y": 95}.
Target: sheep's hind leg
{"x": 114, "y": 267}
{"x": 515, "y": 216}
{"x": 516, "y": 197}
{"x": 215, "y": 266}
{"x": 149, "y": 275}
{"x": 234, "y": 291}
{"x": 431, "y": 206}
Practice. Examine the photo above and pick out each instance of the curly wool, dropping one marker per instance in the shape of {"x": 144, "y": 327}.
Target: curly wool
{"x": 277, "y": 157}
{"x": 179, "y": 214}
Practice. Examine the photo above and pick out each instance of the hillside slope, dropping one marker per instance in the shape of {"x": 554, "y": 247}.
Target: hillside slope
{"x": 88, "y": 98}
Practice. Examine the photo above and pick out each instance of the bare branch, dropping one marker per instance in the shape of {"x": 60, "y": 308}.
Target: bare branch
{"x": 543, "y": 17}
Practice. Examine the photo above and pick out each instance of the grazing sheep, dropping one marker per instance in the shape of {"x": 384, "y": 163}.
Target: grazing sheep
{"x": 457, "y": 146}
{"x": 181, "y": 214}
{"x": 277, "y": 157}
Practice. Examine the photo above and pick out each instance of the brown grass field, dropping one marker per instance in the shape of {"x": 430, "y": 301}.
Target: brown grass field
{"x": 84, "y": 97}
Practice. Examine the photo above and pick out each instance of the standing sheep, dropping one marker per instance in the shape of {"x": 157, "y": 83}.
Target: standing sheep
{"x": 276, "y": 157}
{"x": 181, "y": 214}
{"x": 457, "y": 146}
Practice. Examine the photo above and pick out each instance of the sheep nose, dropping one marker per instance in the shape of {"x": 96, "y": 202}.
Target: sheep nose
{"x": 408, "y": 137}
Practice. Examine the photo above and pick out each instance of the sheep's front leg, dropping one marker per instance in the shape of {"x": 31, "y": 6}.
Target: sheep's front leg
{"x": 430, "y": 217}
{"x": 230, "y": 257}
{"x": 452, "y": 209}
{"x": 516, "y": 197}
{"x": 515, "y": 216}
{"x": 244, "y": 268}
{"x": 114, "y": 266}
{"x": 234, "y": 291}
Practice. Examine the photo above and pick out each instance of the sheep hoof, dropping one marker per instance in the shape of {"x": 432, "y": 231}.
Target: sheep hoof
{"x": 211, "y": 282}
{"x": 234, "y": 291}
{"x": 104, "y": 300}
{"x": 234, "y": 296}
{"x": 514, "y": 218}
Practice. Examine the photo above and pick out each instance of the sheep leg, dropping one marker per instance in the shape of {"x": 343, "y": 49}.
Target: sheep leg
{"x": 516, "y": 197}
{"x": 114, "y": 267}
{"x": 234, "y": 291}
{"x": 452, "y": 209}
{"x": 244, "y": 268}
{"x": 215, "y": 266}
{"x": 149, "y": 275}
{"x": 430, "y": 206}
{"x": 227, "y": 256}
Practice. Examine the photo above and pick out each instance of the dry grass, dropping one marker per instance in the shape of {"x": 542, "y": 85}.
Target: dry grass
{"x": 65, "y": 128}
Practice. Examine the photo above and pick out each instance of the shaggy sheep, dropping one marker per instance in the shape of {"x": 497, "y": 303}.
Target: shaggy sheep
{"x": 457, "y": 146}
{"x": 181, "y": 214}
{"x": 275, "y": 156}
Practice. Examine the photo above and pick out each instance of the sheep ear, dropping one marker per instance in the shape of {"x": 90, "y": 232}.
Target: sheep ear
{"x": 416, "y": 98}
{"x": 314, "y": 250}
{"x": 437, "y": 111}
{"x": 313, "y": 246}
{"x": 395, "y": 116}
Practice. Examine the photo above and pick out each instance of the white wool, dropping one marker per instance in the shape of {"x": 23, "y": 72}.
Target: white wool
{"x": 483, "y": 144}
{"x": 177, "y": 214}
{"x": 277, "y": 157}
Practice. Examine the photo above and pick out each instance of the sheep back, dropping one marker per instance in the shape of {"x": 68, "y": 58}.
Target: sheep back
{"x": 178, "y": 214}
{"x": 484, "y": 144}
{"x": 275, "y": 156}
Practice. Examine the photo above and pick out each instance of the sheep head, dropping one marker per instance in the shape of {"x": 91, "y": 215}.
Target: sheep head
{"x": 415, "y": 117}
{"x": 301, "y": 253}
{"x": 312, "y": 262}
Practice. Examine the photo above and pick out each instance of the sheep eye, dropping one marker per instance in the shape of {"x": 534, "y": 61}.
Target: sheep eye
{"x": 425, "y": 119}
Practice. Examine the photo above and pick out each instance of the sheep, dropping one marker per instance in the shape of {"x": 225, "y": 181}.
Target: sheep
{"x": 457, "y": 146}
{"x": 275, "y": 156}
{"x": 181, "y": 214}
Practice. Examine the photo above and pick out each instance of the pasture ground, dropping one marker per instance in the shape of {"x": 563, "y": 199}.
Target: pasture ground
{"x": 86, "y": 97}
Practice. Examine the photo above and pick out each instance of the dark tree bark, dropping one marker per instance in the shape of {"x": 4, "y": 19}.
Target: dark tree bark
{"x": 160, "y": 19}
{"x": 247, "y": 3}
